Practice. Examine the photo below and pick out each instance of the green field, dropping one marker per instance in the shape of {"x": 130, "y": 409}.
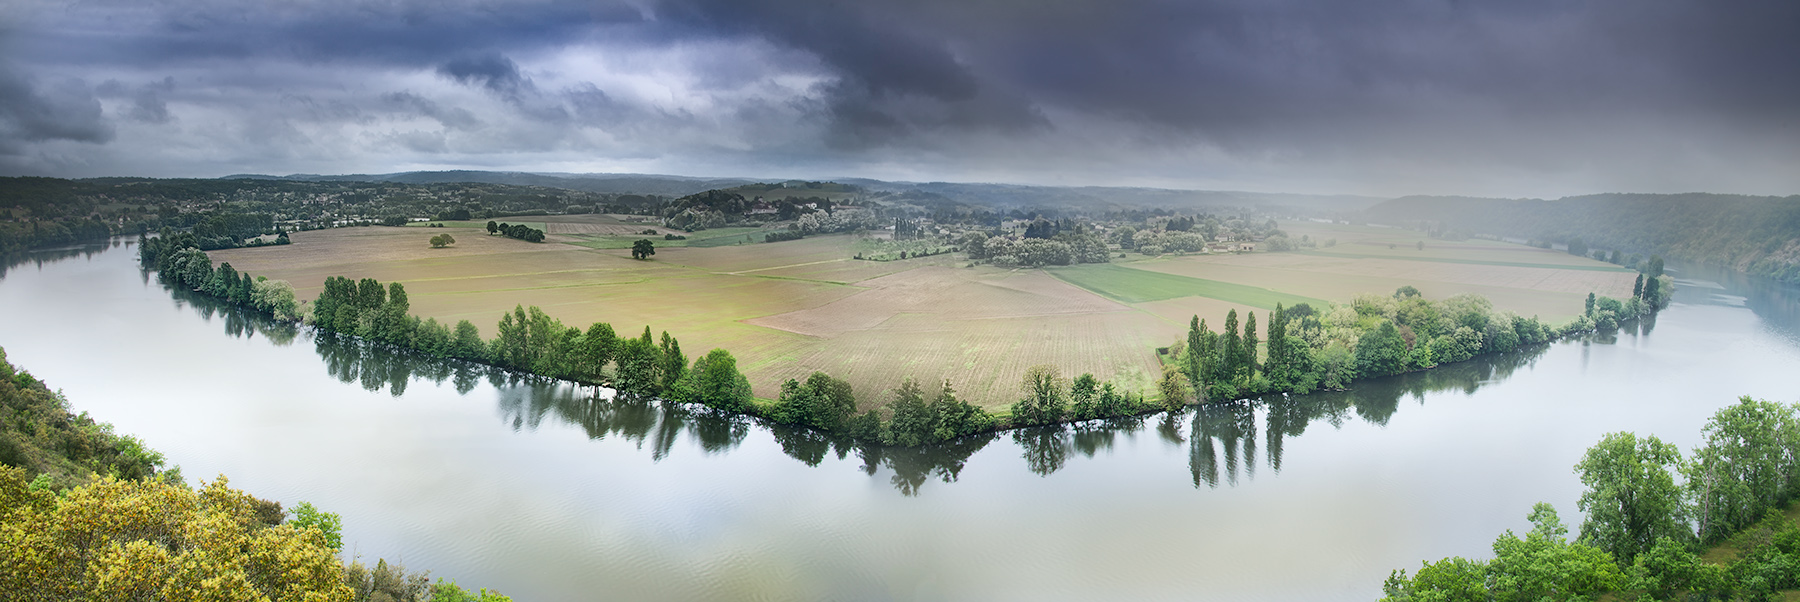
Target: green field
{"x": 1127, "y": 285}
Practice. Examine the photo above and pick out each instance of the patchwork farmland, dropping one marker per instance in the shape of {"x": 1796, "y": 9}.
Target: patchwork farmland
{"x": 787, "y": 309}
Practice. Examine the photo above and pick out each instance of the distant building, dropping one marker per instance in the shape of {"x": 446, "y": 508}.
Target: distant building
{"x": 1247, "y": 246}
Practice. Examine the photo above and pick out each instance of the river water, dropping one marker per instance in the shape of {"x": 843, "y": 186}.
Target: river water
{"x": 547, "y": 492}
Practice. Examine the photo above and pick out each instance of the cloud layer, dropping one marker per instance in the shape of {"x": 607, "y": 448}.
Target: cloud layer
{"x": 1384, "y": 97}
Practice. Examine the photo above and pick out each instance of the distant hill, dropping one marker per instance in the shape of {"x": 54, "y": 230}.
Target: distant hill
{"x": 1016, "y": 196}
{"x": 998, "y": 196}
{"x": 645, "y": 184}
{"x": 1756, "y": 234}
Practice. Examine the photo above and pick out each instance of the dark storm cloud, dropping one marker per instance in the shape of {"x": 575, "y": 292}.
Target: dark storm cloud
{"x": 886, "y": 65}
{"x": 33, "y": 113}
{"x": 1243, "y": 69}
{"x": 1331, "y": 91}
{"x": 406, "y": 32}
{"x": 492, "y": 71}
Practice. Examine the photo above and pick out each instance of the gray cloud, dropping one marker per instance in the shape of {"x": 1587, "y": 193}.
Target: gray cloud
{"x": 454, "y": 118}
{"x": 1526, "y": 97}
{"x": 492, "y": 71}
{"x": 63, "y": 111}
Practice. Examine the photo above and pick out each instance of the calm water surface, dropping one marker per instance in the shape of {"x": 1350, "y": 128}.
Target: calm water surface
{"x": 547, "y": 492}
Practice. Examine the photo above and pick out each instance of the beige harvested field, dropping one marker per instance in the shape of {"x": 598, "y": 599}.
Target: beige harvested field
{"x": 788, "y": 309}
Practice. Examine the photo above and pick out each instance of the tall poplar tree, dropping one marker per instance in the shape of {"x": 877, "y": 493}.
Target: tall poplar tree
{"x": 1250, "y": 342}
{"x": 1230, "y": 350}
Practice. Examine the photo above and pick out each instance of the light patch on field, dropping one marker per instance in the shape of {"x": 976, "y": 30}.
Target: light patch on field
{"x": 951, "y": 295}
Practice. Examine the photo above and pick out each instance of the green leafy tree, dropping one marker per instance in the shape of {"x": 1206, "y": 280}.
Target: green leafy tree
{"x": 1193, "y": 361}
{"x": 715, "y": 382}
{"x": 1545, "y": 566}
{"x": 643, "y": 249}
{"x": 674, "y": 363}
{"x": 1175, "y": 388}
{"x": 1631, "y": 499}
{"x": 329, "y": 525}
{"x": 1248, "y": 362}
{"x": 1084, "y": 397}
{"x": 596, "y": 350}
{"x": 467, "y": 343}
{"x": 1044, "y": 401}
{"x": 1746, "y": 467}
{"x": 957, "y": 418}
{"x": 639, "y": 368}
{"x": 1230, "y": 350}
{"x": 822, "y": 402}
{"x": 492, "y": 227}
{"x": 1670, "y": 570}
{"x": 914, "y": 421}
{"x": 1381, "y": 351}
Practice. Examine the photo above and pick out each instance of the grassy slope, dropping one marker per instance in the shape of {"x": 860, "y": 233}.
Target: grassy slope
{"x": 1128, "y": 285}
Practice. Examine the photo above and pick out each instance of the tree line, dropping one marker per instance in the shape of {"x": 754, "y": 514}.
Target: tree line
{"x": 178, "y": 258}
{"x": 1304, "y": 349}
{"x": 518, "y": 231}
{"x": 1645, "y": 531}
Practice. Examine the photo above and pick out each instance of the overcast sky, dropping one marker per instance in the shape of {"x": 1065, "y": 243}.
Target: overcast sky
{"x": 1385, "y": 97}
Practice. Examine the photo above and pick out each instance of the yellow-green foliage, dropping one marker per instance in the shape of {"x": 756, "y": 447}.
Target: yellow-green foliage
{"x": 151, "y": 540}
{"x": 39, "y": 434}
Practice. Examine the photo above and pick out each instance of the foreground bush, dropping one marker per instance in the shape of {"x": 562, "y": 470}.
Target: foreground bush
{"x": 152, "y": 540}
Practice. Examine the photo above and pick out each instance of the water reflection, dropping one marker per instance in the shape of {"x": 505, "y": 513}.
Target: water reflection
{"x": 41, "y": 257}
{"x": 1227, "y": 442}
{"x": 1222, "y": 439}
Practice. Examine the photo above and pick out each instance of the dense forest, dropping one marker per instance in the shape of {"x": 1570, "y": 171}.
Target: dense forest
{"x": 1645, "y": 532}
{"x": 1756, "y": 235}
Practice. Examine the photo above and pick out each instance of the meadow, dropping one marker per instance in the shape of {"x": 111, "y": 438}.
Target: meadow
{"x": 787, "y": 309}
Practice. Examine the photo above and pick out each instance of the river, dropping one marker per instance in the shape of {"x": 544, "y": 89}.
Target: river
{"x": 546, "y": 492}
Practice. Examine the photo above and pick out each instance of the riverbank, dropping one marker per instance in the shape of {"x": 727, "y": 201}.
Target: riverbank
{"x": 1329, "y": 348}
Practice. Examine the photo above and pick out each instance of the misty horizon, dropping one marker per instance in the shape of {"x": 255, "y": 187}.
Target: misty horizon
{"x": 1525, "y": 100}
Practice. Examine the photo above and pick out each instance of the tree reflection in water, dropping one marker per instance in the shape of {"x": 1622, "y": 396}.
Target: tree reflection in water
{"x": 1222, "y": 438}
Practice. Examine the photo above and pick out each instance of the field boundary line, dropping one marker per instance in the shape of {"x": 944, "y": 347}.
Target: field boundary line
{"x": 792, "y": 265}
{"x": 1515, "y": 264}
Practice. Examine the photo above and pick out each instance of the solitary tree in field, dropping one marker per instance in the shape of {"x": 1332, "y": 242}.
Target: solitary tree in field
{"x": 643, "y": 249}
{"x": 492, "y": 227}
{"x": 441, "y": 241}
